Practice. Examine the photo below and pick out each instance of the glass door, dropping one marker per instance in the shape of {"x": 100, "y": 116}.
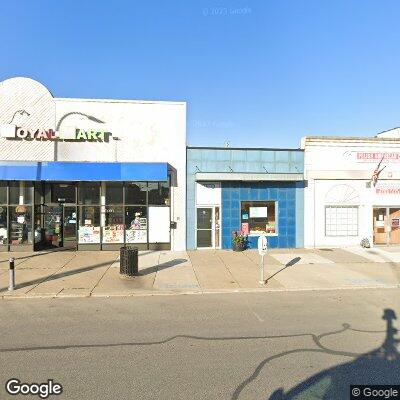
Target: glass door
{"x": 394, "y": 225}
{"x": 69, "y": 227}
{"x": 52, "y": 226}
{"x": 205, "y": 227}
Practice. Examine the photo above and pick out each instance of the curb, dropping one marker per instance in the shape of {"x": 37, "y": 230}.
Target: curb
{"x": 192, "y": 292}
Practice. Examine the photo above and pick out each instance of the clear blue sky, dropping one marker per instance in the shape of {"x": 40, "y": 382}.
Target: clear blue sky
{"x": 258, "y": 73}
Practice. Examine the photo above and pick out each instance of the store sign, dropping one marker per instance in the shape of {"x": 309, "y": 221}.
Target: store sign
{"x": 91, "y": 135}
{"x": 17, "y": 132}
{"x": 24, "y": 133}
{"x": 387, "y": 188}
{"x": 373, "y": 156}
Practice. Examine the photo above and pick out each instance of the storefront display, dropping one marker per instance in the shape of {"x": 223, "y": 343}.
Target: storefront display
{"x": 136, "y": 225}
{"x": 113, "y": 232}
{"x": 89, "y": 226}
{"x": 259, "y": 217}
{"x": 89, "y": 234}
{"x": 20, "y": 224}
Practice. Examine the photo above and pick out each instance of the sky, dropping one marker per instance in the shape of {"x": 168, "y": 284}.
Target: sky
{"x": 254, "y": 73}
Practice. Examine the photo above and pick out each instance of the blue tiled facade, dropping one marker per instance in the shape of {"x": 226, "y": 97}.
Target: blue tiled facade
{"x": 233, "y": 193}
{"x": 290, "y": 195}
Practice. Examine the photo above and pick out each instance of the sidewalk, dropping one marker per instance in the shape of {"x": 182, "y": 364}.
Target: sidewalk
{"x": 83, "y": 274}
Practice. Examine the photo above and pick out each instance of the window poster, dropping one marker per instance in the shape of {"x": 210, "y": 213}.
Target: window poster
{"x": 395, "y": 222}
{"x": 258, "y": 212}
{"x": 136, "y": 236}
{"x": 245, "y": 216}
{"x": 89, "y": 234}
{"x": 113, "y": 235}
{"x": 245, "y": 228}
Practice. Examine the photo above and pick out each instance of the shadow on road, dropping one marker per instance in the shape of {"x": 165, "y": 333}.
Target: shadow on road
{"x": 379, "y": 367}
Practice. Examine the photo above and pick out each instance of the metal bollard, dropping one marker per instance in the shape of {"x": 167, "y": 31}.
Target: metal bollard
{"x": 11, "y": 284}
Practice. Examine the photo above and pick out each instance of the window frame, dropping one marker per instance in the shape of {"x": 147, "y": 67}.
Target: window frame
{"x": 265, "y": 204}
{"x": 344, "y": 206}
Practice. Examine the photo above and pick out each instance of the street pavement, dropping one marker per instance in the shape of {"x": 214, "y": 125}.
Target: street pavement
{"x": 96, "y": 274}
{"x": 272, "y": 345}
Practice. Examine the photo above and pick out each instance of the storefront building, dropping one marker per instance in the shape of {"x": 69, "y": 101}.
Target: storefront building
{"x": 90, "y": 174}
{"x": 353, "y": 190}
{"x": 250, "y": 190}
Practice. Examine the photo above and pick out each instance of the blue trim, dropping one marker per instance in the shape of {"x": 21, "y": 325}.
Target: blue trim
{"x": 83, "y": 171}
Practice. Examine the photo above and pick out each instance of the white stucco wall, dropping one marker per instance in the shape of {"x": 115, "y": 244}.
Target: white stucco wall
{"x": 345, "y": 166}
{"x": 146, "y": 131}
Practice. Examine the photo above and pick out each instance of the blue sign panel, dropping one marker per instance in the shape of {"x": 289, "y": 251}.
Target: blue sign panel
{"x": 83, "y": 171}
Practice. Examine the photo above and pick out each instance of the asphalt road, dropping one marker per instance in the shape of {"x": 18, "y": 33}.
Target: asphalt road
{"x": 222, "y": 346}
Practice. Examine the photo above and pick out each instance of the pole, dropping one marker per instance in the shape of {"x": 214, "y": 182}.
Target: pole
{"x": 11, "y": 284}
{"x": 262, "y": 281}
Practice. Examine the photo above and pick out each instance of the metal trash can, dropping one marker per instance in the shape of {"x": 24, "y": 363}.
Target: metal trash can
{"x": 128, "y": 261}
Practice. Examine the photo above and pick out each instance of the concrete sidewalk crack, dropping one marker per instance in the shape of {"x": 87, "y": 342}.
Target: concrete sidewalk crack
{"x": 49, "y": 276}
{"x": 102, "y": 276}
{"x": 194, "y": 271}
{"x": 229, "y": 271}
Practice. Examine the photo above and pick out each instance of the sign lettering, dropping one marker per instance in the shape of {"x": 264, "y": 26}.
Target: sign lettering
{"x": 23, "y": 133}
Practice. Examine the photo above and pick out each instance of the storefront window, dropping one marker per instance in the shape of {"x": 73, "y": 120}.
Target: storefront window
{"x": 38, "y": 223}
{"x": 89, "y": 193}
{"x": 114, "y": 193}
{"x": 259, "y": 217}
{"x": 3, "y": 192}
{"x": 89, "y": 224}
{"x": 136, "y": 224}
{"x": 3, "y": 225}
{"x": 113, "y": 231}
{"x": 341, "y": 221}
{"x": 159, "y": 193}
{"x": 135, "y": 192}
{"x": 20, "y": 224}
{"x": 63, "y": 193}
{"x": 20, "y": 192}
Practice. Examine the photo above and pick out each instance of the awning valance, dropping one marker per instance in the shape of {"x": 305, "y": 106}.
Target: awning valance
{"x": 83, "y": 171}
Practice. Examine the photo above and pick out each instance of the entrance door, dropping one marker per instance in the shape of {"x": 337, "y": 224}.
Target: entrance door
{"x": 52, "y": 226}
{"x": 70, "y": 222}
{"x": 394, "y": 225}
{"x": 208, "y": 227}
{"x": 387, "y": 225}
{"x": 205, "y": 227}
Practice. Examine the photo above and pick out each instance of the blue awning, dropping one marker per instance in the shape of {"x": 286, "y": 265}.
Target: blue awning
{"x": 83, "y": 171}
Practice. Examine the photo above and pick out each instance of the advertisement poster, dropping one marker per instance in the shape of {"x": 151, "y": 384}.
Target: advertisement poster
{"x": 136, "y": 236}
{"x": 395, "y": 222}
{"x": 245, "y": 228}
{"x": 113, "y": 236}
{"x": 89, "y": 234}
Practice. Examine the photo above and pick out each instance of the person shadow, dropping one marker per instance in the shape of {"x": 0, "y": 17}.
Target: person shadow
{"x": 379, "y": 367}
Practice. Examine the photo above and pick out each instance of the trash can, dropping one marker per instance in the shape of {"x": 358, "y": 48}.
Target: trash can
{"x": 128, "y": 261}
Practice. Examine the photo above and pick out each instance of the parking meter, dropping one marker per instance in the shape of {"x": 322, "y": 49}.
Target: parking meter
{"x": 262, "y": 250}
